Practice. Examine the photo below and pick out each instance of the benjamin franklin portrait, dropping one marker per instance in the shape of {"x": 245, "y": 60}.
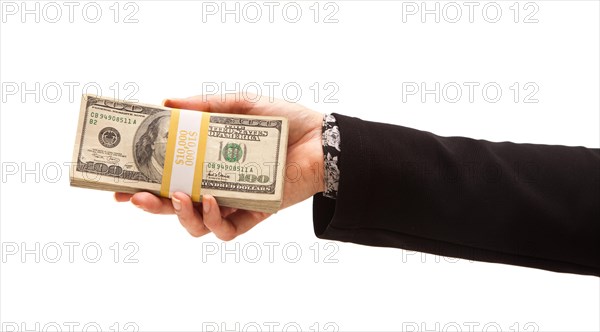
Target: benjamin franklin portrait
{"x": 151, "y": 146}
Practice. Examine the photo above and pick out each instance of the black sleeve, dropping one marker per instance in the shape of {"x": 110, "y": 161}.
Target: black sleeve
{"x": 522, "y": 204}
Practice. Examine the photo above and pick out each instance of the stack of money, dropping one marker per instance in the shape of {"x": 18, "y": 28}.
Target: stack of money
{"x": 131, "y": 147}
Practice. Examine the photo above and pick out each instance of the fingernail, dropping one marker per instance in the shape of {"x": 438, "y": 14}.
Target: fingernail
{"x": 176, "y": 204}
{"x": 206, "y": 204}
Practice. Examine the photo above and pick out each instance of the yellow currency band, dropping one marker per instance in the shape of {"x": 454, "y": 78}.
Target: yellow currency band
{"x": 197, "y": 186}
{"x": 183, "y": 124}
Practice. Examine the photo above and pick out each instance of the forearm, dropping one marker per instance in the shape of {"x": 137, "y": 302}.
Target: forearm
{"x": 522, "y": 204}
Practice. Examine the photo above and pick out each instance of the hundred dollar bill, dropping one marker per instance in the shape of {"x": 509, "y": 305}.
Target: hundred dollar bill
{"x": 131, "y": 147}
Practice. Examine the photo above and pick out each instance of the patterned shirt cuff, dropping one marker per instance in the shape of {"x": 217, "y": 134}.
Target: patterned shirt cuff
{"x": 331, "y": 153}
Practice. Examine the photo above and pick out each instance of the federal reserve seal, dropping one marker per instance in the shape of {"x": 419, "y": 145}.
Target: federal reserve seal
{"x": 109, "y": 137}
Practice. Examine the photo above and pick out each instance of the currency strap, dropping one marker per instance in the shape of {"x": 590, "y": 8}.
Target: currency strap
{"x": 186, "y": 149}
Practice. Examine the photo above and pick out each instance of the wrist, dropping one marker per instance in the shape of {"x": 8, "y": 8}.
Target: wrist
{"x": 317, "y": 166}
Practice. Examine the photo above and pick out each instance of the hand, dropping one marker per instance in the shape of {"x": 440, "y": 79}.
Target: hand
{"x": 304, "y": 152}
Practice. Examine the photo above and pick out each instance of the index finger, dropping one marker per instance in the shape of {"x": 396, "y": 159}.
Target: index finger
{"x": 232, "y": 103}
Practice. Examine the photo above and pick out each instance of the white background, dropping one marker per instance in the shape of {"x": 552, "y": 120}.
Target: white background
{"x": 163, "y": 279}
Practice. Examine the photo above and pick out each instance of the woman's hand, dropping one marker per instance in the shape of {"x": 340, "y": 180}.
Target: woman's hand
{"x": 304, "y": 152}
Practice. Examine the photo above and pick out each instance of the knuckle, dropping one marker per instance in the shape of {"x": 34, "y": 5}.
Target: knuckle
{"x": 152, "y": 210}
{"x": 197, "y": 231}
{"x": 227, "y": 236}
{"x": 182, "y": 219}
{"x": 211, "y": 222}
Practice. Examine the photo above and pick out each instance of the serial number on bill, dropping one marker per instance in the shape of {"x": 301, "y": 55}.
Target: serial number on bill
{"x": 233, "y": 168}
{"x": 110, "y": 117}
